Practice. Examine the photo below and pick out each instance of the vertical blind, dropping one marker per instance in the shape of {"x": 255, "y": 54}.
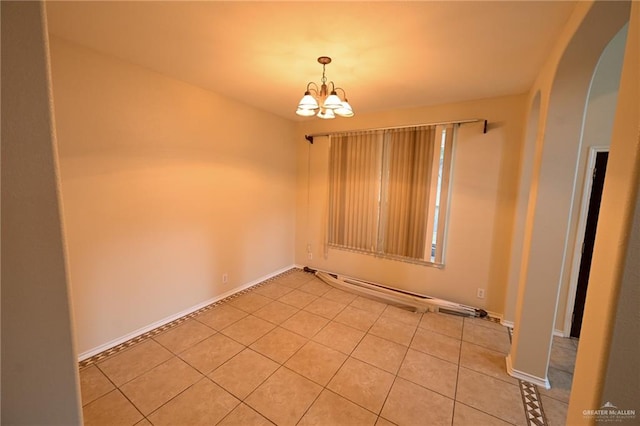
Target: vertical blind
{"x": 382, "y": 191}
{"x": 410, "y": 156}
{"x": 354, "y": 170}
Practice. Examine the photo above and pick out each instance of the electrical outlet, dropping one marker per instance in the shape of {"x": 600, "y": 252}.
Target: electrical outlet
{"x": 225, "y": 278}
{"x": 480, "y": 293}
{"x": 310, "y": 256}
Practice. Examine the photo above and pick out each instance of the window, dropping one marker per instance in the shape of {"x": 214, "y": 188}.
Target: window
{"x": 389, "y": 191}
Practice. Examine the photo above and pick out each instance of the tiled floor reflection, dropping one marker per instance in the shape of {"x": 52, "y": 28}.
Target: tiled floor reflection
{"x": 555, "y": 401}
{"x": 297, "y": 351}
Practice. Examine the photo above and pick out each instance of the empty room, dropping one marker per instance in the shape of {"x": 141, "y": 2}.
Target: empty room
{"x": 320, "y": 213}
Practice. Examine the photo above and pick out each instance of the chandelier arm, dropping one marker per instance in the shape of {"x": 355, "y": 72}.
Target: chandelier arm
{"x": 314, "y": 89}
{"x": 344, "y": 93}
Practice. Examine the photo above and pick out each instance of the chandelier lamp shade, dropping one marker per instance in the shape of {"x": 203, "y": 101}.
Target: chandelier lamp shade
{"x": 321, "y": 102}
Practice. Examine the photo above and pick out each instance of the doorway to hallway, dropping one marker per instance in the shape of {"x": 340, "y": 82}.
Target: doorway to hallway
{"x": 597, "y": 184}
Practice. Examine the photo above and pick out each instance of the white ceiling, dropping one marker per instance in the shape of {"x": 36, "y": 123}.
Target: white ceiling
{"x": 386, "y": 55}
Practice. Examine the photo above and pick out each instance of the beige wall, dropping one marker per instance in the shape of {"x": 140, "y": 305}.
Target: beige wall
{"x": 625, "y": 348}
{"x": 609, "y": 331}
{"x": 165, "y": 187}
{"x": 481, "y": 214}
{"x": 39, "y": 370}
{"x": 525, "y": 176}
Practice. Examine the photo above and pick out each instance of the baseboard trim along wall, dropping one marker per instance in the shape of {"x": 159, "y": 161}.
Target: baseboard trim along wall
{"x": 491, "y": 314}
{"x": 556, "y": 332}
{"x": 506, "y": 323}
{"x": 520, "y": 375}
{"x": 495, "y": 315}
{"x": 167, "y": 320}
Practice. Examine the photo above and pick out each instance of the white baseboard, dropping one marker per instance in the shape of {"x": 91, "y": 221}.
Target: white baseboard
{"x": 510, "y": 324}
{"x": 489, "y": 313}
{"x": 507, "y": 323}
{"x": 495, "y": 315}
{"x": 521, "y": 375}
{"x": 160, "y": 323}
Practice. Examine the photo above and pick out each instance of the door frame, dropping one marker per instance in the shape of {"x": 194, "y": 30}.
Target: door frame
{"x": 580, "y": 231}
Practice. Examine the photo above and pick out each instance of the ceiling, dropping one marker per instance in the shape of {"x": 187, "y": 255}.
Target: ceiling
{"x": 386, "y": 55}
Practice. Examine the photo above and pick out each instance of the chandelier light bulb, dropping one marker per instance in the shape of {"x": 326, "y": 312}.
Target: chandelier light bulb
{"x": 345, "y": 110}
{"x": 326, "y": 114}
{"x": 333, "y": 101}
{"x": 306, "y": 112}
{"x": 308, "y": 102}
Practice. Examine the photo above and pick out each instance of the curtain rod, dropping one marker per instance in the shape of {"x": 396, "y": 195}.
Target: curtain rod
{"x": 472, "y": 120}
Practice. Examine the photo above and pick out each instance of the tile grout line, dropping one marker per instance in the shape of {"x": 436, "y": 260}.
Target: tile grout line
{"x": 379, "y": 414}
{"x": 175, "y": 396}
{"x": 464, "y": 322}
{"x": 400, "y": 366}
{"x": 350, "y": 355}
{"x": 455, "y": 393}
{"x": 283, "y": 364}
{"x": 280, "y": 365}
{"x": 325, "y": 387}
{"x": 460, "y": 366}
{"x": 248, "y": 347}
{"x": 116, "y": 388}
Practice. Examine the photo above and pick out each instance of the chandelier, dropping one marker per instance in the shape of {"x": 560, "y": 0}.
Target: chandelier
{"x": 321, "y": 102}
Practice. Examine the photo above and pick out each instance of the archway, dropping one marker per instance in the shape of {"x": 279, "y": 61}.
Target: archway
{"x": 548, "y": 225}
{"x": 596, "y": 138}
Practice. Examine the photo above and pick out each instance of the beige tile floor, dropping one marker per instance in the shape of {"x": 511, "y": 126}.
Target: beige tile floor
{"x": 555, "y": 401}
{"x": 297, "y": 351}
